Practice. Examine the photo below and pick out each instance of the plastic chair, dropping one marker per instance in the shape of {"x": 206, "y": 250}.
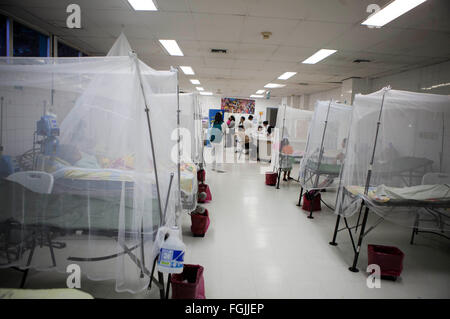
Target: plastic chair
{"x": 41, "y": 183}
{"x": 435, "y": 178}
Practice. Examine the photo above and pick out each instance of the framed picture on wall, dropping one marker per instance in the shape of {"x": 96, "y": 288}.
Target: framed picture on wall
{"x": 233, "y": 105}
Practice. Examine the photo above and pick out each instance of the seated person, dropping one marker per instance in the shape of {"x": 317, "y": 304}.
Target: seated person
{"x": 341, "y": 155}
{"x": 286, "y": 160}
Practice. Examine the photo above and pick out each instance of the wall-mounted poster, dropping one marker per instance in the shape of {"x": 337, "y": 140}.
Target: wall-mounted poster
{"x": 232, "y": 105}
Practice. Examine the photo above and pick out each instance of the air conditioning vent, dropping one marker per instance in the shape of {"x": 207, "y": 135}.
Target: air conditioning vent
{"x": 222, "y": 51}
{"x": 361, "y": 61}
{"x": 302, "y": 83}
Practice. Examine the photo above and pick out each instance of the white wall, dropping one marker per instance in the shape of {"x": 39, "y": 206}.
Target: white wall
{"x": 415, "y": 80}
{"x": 334, "y": 94}
{"x": 412, "y": 80}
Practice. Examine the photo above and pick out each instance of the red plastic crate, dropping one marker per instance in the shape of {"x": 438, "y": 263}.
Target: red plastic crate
{"x": 200, "y": 223}
{"x": 389, "y": 258}
{"x": 271, "y": 178}
{"x": 190, "y": 284}
{"x": 315, "y": 203}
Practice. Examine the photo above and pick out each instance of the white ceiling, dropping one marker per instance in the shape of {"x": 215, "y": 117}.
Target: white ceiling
{"x": 299, "y": 28}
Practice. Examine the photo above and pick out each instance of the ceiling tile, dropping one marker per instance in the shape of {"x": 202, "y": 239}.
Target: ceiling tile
{"x": 215, "y": 27}
{"x": 281, "y": 30}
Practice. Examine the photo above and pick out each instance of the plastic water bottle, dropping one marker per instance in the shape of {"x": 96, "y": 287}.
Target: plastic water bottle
{"x": 171, "y": 253}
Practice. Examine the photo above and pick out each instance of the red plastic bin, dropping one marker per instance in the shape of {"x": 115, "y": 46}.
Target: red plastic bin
{"x": 200, "y": 223}
{"x": 204, "y": 188}
{"x": 271, "y": 178}
{"x": 189, "y": 284}
{"x": 201, "y": 174}
{"x": 315, "y": 203}
{"x": 389, "y": 258}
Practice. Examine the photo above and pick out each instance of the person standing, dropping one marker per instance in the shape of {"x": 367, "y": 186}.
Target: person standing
{"x": 231, "y": 131}
{"x": 250, "y": 141}
{"x": 216, "y": 138}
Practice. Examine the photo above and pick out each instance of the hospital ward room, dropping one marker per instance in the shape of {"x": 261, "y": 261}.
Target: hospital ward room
{"x": 233, "y": 150}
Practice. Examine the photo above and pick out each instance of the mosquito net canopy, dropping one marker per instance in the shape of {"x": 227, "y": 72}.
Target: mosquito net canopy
{"x": 79, "y": 174}
{"x": 398, "y": 158}
{"x": 191, "y": 128}
{"x": 324, "y": 154}
{"x": 290, "y": 136}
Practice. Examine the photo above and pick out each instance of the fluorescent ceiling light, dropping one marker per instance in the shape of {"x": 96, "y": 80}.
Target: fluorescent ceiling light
{"x": 274, "y": 85}
{"x": 187, "y": 70}
{"x": 319, "y": 56}
{"x": 256, "y": 96}
{"x": 391, "y": 12}
{"x": 143, "y": 5}
{"x": 206, "y": 93}
{"x": 260, "y": 91}
{"x": 172, "y": 47}
{"x": 194, "y": 81}
{"x": 199, "y": 88}
{"x": 286, "y": 75}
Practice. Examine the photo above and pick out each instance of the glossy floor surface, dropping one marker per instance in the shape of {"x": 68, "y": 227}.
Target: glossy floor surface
{"x": 261, "y": 245}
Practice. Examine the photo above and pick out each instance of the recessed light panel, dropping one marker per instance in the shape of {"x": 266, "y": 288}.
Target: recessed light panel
{"x": 143, "y": 5}
{"x": 187, "y": 70}
{"x": 319, "y": 56}
{"x": 391, "y": 12}
{"x": 171, "y": 47}
{"x": 286, "y": 75}
{"x": 274, "y": 85}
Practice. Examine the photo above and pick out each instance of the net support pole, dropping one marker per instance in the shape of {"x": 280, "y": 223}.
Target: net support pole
{"x": 441, "y": 158}
{"x": 366, "y": 188}
{"x": 316, "y": 181}
{"x": 279, "y": 147}
{"x": 178, "y": 145}
{"x": 1, "y": 125}
{"x": 147, "y": 110}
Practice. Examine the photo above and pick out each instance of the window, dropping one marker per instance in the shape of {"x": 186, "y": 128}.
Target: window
{"x": 29, "y": 43}
{"x": 3, "y": 36}
{"x": 67, "y": 51}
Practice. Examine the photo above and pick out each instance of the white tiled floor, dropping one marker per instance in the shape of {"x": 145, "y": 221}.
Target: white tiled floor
{"x": 261, "y": 245}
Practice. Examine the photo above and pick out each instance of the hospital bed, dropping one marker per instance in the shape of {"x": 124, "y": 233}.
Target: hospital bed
{"x": 433, "y": 200}
{"x": 64, "y": 216}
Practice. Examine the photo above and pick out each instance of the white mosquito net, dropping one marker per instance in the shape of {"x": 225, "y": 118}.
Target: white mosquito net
{"x": 408, "y": 179}
{"x": 290, "y": 136}
{"x": 191, "y": 148}
{"x": 324, "y": 154}
{"x": 85, "y": 192}
{"x": 191, "y": 128}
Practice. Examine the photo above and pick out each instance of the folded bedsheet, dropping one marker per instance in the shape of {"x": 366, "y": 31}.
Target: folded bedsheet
{"x": 102, "y": 174}
{"x": 383, "y": 193}
{"x": 188, "y": 178}
{"x": 188, "y": 175}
